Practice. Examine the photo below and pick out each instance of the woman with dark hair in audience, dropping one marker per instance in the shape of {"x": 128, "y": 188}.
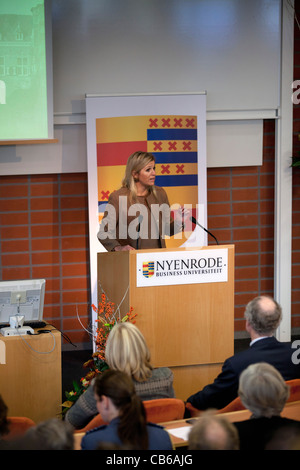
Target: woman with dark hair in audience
{"x": 120, "y": 406}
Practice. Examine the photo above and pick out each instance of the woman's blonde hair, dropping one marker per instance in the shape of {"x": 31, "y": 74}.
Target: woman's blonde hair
{"x": 126, "y": 350}
{"x": 263, "y": 390}
{"x": 135, "y": 163}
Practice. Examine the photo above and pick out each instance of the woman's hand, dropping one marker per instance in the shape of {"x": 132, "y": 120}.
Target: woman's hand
{"x": 123, "y": 248}
{"x": 182, "y": 214}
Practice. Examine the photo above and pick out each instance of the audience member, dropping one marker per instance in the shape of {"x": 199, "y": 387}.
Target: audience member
{"x": 127, "y": 351}
{"x": 263, "y": 315}
{"x": 213, "y": 432}
{"x": 51, "y": 434}
{"x": 264, "y": 392}
{"x": 119, "y": 405}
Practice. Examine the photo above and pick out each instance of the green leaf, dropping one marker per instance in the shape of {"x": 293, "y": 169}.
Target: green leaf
{"x": 295, "y": 161}
{"x": 76, "y": 386}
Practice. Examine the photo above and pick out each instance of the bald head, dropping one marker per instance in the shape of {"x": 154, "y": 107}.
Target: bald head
{"x": 213, "y": 432}
{"x": 263, "y": 315}
{"x": 216, "y": 435}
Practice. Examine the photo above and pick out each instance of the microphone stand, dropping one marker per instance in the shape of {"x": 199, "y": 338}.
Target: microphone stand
{"x": 192, "y": 219}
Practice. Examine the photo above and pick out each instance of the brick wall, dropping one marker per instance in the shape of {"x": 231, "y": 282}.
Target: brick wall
{"x": 44, "y": 231}
{"x": 241, "y": 212}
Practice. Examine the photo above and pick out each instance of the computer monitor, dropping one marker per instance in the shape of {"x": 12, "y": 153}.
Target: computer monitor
{"x": 22, "y": 297}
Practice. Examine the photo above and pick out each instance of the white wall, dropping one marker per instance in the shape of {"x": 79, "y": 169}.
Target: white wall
{"x": 228, "y": 48}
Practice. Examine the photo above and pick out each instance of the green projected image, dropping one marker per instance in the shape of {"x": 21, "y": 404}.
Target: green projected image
{"x": 23, "y": 77}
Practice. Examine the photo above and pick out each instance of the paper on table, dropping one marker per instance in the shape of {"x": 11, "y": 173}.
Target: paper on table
{"x": 182, "y": 432}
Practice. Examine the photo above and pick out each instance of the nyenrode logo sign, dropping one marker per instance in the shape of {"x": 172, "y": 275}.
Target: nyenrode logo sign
{"x": 182, "y": 267}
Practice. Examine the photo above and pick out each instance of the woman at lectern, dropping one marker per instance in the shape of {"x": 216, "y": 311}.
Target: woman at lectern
{"x": 138, "y": 215}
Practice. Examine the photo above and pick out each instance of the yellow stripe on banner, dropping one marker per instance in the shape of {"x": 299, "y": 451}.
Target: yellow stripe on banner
{"x": 134, "y": 128}
{"x": 121, "y": 129}
{"x": 166, "y": 169}
{"x": 109, "y": 179}
{"x": 172, "y": 146}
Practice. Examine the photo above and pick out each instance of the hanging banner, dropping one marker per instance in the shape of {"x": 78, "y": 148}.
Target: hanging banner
{"x": 173, "y": 142}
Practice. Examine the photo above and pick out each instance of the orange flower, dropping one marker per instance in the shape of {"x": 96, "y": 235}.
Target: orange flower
{"x": 106, "y": 319}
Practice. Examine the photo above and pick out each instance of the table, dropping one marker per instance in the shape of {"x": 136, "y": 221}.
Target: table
{"x": 30, "y": 374}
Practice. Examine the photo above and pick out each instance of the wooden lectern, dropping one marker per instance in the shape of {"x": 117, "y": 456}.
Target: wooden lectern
{"x": 188, "y": 327}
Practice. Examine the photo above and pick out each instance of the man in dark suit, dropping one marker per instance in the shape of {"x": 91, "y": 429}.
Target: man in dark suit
{"x": 263, "y": 315}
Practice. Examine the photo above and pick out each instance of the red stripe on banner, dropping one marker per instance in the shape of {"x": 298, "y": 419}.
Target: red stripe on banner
{"x": 117, "y": 153}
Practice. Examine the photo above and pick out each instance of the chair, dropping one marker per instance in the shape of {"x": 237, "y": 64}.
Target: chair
{"x": 161, "y": 410}
{"x": 191, "y": 411}
{"x": 17, "y": 427}
{"x": 294, "y": 386}
{"x": 234, "y": 405}
{"x": 157, "y": 411}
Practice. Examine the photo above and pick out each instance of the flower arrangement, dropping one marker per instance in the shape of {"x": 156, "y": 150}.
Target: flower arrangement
{"x": 107, "y": 317}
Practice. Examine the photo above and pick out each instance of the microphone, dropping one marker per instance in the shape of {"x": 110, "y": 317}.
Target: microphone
{"x": 205, "y": 230}
{"x": 138, "y": 230}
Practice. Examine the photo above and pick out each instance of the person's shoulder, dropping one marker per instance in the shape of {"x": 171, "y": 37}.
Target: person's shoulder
{"x": 98, "y": 429}
{"x": 262, "y": 346}
{"x": 161, "y": 372}
{"x": 160, "y": 195}
{"x": 160, "y": 191}
{"x": 159, "y": 438}
{"x": 269, "y": 342}
{"x": 119, "y": 192}
{"x": 156, "y": 430}
{"x": 155, "y": 426}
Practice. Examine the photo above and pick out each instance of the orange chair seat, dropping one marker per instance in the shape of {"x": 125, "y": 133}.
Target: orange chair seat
{"x": 294, "y": 386}
{"x": 17, "y": 427}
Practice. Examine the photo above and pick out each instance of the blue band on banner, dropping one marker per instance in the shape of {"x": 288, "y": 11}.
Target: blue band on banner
{"x": 172, "y": 134}
{"x": 174, "y": 180}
